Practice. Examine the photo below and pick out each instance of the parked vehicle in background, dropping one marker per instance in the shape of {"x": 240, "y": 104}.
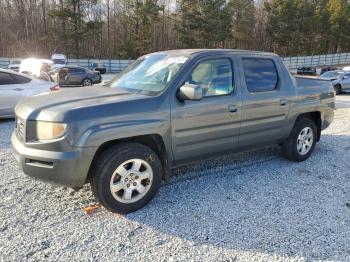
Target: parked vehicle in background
{"x": 59, "y": 60}
{"x": 14, "y": 64}
{"x": 36, "y": 67}
{"x": 306, "y": 71}
{"x": 327, "y": 69}
{"x": 75, "y": 76}
{"x": 346, "y": 68}
{"x": 340, "y": 80}
{"x": 100, "y": 67}
{"x": 168, "y": 109}
{"x": 15, "y": 86}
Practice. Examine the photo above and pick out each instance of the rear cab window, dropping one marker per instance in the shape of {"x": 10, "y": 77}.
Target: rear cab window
{"x": 260, "y": 74}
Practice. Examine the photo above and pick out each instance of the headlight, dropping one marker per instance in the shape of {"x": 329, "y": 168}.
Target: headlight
{"x": 49, "y": 130}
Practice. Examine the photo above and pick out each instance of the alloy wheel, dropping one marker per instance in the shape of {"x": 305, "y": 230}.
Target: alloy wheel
{"x": 131, "y": 181}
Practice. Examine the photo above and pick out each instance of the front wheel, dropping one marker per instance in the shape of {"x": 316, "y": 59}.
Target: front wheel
{"x": 301, "y": 142}
{"x": 87, "y": 82}
{"x": 126, "y": 177}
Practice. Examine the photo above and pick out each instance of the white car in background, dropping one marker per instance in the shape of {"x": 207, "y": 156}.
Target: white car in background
{"x": 35, "y": 66}
{"x": 59, "y": 60}
{"x": 15, "y": 86}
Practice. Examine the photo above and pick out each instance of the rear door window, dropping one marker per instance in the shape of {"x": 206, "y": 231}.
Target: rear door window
{"x": 260, "y": 74}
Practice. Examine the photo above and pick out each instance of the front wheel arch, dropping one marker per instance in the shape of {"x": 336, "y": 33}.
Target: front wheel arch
{"x": 153, "y": 141}
{"x": 107, "y": 190}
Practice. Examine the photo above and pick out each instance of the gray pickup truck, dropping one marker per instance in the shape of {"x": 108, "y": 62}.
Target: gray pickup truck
{"x": 165, "y": 110}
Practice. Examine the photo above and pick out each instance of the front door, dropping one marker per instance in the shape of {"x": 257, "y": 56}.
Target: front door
{"x": 209, "y": 126}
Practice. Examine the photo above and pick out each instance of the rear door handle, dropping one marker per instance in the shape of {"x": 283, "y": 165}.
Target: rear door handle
{"x": 18, "y": 89}
{"x": 232, "y": 109}
{"x": 283, "y": 102}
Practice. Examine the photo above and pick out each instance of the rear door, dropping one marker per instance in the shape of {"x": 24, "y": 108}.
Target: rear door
{"x": 203, "y": 128}
{"x": 265, "y": 95}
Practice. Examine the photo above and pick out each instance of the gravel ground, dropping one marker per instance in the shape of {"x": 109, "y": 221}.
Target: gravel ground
{"x": 253, "y": 206}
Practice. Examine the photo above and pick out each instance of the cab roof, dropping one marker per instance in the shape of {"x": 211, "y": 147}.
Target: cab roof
{"x": 191, "y": 52}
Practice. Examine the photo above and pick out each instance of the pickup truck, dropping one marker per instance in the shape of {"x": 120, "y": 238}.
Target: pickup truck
{"x": 165, "y": 110}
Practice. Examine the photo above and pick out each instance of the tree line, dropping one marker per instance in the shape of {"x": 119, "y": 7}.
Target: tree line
{"x": 130, "y": 28}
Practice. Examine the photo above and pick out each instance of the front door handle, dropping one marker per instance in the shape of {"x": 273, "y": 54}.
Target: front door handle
{"x": 232, "y": 109}
{"x": 18, "y": 89}
{"x": 283, "y": 102}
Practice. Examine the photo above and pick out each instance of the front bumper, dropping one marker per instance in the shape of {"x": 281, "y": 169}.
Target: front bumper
{"x": 97, "y": 79}
{"x": 65, "y": 168}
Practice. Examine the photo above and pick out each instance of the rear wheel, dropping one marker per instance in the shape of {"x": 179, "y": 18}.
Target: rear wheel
{"x": 337, "y": 89}
{"x": 87, "y": 82}
{"x": 301, "y": 142}
{"x": 126, "y": 177}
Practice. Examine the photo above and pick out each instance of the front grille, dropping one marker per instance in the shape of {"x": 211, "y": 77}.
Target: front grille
{"x": 20, "y": 128}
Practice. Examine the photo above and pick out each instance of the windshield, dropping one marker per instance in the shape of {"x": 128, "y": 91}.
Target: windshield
{"x": 148, "y": 74}
{"x": 59, "y": 61}
{"x": 333, "y": 74}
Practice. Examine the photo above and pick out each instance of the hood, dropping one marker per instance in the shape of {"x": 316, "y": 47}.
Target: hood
{"x": 52, "y": 106}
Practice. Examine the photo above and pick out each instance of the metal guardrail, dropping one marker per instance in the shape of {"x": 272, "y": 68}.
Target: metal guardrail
{"x": 317, "y": 61}
{"x": 292, "y": 63}
{"x": 112, "y": 66}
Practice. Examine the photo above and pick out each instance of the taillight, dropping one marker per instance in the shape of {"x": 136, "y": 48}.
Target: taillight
{"x": 55, "y": 88}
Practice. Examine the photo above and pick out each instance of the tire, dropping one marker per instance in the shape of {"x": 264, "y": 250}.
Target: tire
{"x": 87, "y": 82}
{"x": 337, "y": 89}
{"x": 109, "y": 173}
{"x": 293, "y": 148}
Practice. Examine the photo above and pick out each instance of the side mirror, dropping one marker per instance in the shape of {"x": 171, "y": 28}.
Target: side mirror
{"x": 190, "y": 92}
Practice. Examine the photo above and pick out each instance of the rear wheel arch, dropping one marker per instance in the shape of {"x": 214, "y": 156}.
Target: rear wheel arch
{"x": 315, "y": 117}
{"x": 302, "y": 140}
{"x": 152, "y": 141}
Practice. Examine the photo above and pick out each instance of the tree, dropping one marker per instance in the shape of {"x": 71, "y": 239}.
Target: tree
{"x": 339, "y": 24}
{"x": 130, "y": 28}
{"x": 75, "y": 23}
{"x": 291, "y": 25}
{"x": 204, "y": 23}
{"x": 140, "y": 20}
{"x": 243, "y": 22}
